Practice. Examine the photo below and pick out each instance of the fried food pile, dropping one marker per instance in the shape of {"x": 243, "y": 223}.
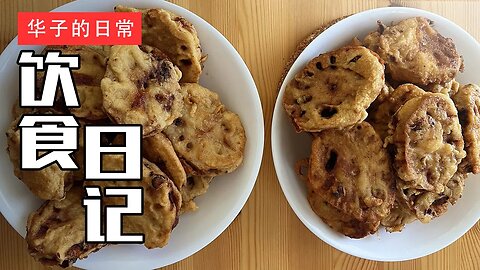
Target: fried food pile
{"x": 189, "y": 137}
{"x": 394, "y": 135}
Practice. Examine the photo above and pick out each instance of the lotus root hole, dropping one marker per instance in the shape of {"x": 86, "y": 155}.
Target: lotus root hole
{"x": 333, "y": 59}
{"x": 225, "y": 127}
{"x": 328, "y": 112}
{"x": 332, "y": 160}
{"x": 186, "y": 62}
{"x": 190, "y": 181}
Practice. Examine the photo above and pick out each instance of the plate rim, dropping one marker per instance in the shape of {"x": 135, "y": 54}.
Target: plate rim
{"x": 259, "y": 124}
{"x": 278, "y": 109}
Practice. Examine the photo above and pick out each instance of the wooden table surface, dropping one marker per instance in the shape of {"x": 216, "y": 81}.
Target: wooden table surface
{"x": 267, "y": 234}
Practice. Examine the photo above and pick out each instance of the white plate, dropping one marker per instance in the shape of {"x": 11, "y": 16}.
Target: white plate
{"x": 417, "y": 239}
{"x": 226, "y": 73}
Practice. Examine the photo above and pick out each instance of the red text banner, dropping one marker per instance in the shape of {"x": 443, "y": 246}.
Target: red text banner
{"x": 79, "y": 28}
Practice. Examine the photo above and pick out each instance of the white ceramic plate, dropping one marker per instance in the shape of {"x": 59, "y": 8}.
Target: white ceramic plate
{"x": 226, "y": 73}
{"x": 417, "y": 239}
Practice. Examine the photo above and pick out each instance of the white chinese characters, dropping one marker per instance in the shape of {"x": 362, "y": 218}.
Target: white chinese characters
{"x": 131, "y": 152}
{"x": 80, "y": 29}
{"x": 113, "y": 220}
{"x": 102, "y": 28}
{"x": 44, "y": 141}
{"x": 36, "y": 27}
{"x": 124, "y": 28}
{"x": 58, "y": 27}
{"x": 51, "y": 138}
{"x": 132, "y": 171}
{"x": 57, "y": 71}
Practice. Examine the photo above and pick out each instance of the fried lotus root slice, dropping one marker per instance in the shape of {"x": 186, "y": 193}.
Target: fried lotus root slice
{"x": 455, "y": 186}
{"x": 49, "y": 183}
{"x": 415, "y": 52}
{"x": 18, "y": 111}
{"x": 173, "y": 35}
{"x": 334, "y": 89}
{"x": 467, "y": 101}
{"x": 196, "y": 185}
{"x": 56, "y": 231}
{"x": 400, "y": 215}
{"x": 380, "y": 117}
{"x": 450, "y": 88}
{"x": 352, "y": 172}
{"x": 339, "y": 221}
{"x": 427, "y": 205}
{"x": 161, "y": 205}
{"x": 159, "y": 150}
{"x": 87, "y": 80}
{"x": 301, "y": 168}
{"x": 427, "y": 142}
{"x": 58, "y": 107}
{"x": 141, "y": 87}
{"x": 208, "y": 138}
{"x": 102, "y": 49}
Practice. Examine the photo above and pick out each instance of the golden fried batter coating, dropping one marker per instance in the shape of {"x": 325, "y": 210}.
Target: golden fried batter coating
{"x": 415, "y": 52}
{"x": 351, "y": 170}
{"x": 449, "y": 88}
{"x": 173, "y": 35}
{"x": 208, "y": 138}
{"x": 334, "y": 89}
{"x": 195, "y": 186}
{"x": 454, "y": 189}
{"x": 49, "y": 183}
{"x": 87, "y": 80}
{"x": 428, "y": 142}
{"x": 380, "y": 117}
{"x": 339, "y": 221}
{"x": 427, "y": 205}
{"x": 141, "y": 87}
{"x": 467, "y": 101}
{"x": 18, "y": 111}
{"x": 56, "y": 231}
{"x": 400, "y": 215}
{"x": 159, "y": 150}
{"x": 161, "y": 205}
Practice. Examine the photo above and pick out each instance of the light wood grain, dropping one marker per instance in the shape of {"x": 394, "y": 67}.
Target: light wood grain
{"x": 267, "y": 234}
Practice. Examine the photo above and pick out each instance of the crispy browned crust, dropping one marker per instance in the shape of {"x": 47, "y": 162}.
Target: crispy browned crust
{"x": 159, "y": 150}
{"x": 207, "y": 137}
{"x": 48, "y": 227}
{"x": 339, "y": 221}
{"x": 49, "y": 183}
{"x": 87, "y": 79}
{"x": 428, "y": 141}
{"x": 141, "y": 87}
{"x": 467, "y": 101}
{"x": 334, "y": 89}
{"x": 173, "y": 35}
{"x": 427, "y": 145}
{"x": 381, "y": 114}
{"x": 161, "y": 202}
{"x": 415, "y": 52}
{"x": 194, "y": 187}
{"x": 351, "y": 171}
